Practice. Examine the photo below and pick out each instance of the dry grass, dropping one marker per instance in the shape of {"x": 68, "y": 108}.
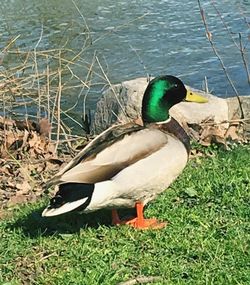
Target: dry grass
{"x": 44, "y": 114}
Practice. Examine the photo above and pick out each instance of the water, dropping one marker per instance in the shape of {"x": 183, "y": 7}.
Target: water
{"x": 133, "y": 38}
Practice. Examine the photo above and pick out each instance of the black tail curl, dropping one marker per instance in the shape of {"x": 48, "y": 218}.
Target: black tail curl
{"x": 71, "y": 192}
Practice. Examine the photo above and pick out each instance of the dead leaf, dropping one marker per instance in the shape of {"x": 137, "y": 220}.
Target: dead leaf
{"x": 26, "y": 125}
{"x": 232, "y": 133}
{"x": 17, "y": 199}
{"x": 44, "y": 127}
{"x": 55, "y": 161}
{"x": 194, "y": 153}
{"x": 5, "y": 170}
{"x": 33, "y": 140}
{"x": 27, "y": 160}
{"x": 208, "y": 132}
{"x": 139, "y": 121}
{"x": 11, "y": 184}
{"x": 23, "y": 188}
{"x": 191, "y": 192}
{"x": 209, "y": 35}
{"x": 25, "y": 138}
{"x": 212, "y": 134}
{"x": 41, "y": 167}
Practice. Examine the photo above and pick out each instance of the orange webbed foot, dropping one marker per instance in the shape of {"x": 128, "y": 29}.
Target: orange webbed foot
{"x": 138, "y": 222}
{"x": 145, "y": 224}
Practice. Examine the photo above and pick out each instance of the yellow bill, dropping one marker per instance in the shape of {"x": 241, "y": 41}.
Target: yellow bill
{"x": 194, "y": 97}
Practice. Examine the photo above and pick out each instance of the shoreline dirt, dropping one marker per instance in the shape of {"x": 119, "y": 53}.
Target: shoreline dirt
{"x": 28, "y": 158}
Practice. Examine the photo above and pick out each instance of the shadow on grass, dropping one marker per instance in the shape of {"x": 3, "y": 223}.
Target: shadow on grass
{"x": 34, "y": 225}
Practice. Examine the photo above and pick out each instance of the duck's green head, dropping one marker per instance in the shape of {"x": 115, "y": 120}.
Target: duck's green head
{"x": 161, "y": 94}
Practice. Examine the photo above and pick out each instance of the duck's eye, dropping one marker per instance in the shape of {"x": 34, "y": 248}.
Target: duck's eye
{"x": 175, "y": 85}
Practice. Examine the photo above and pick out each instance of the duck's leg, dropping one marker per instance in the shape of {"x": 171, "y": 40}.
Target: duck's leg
{"x": 138, "y": 222}
{"x": 115, "y": 218}
{"x": 141, "y": 223}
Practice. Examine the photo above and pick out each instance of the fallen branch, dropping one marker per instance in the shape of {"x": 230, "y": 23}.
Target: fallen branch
{"x": 209, "y": 123}
{"x": 141, "y": 280}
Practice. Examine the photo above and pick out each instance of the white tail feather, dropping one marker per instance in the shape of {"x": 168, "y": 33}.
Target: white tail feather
{"x": 67, "y": 207}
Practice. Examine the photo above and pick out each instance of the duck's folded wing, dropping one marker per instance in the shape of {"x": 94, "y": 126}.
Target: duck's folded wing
{"x": 109, "y": 153}
{"x": 102, "y": 141}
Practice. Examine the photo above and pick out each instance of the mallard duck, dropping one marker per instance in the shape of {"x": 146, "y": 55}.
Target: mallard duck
{"x": 128, "y": 165}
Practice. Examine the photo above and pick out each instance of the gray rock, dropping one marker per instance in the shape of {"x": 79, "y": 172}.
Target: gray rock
{"x": 122, "y": 103}
{"x": 234, "y": 108}
{"x": 109, "y": 111}
{"x": 216, "y": 109}
{"x": 234, "y": 111}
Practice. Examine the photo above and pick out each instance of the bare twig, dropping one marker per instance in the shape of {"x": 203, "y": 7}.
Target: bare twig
{"x": 37, "y": 78}
{"x": 242, "y": 51}
{"x": 37, "y": 75}
{"x": 85, "y": 23}
{"x": 71, "y": 118}
{"x": 59, "y": 105}
{"x": 88, "y": 79}
{"x": 112, "y": 88}
{"x": 12, "y": 41}
{"x": 121, "y": 27}
{"x": 205, "y": 86}
{"x": 67, "y": 140}
{"x": 46, "y": 256}
{"x": 224, "y": 23}
{"x": 48, "y": 91}
{"x": 141, "y": 62}
{"x": 209, "y": 37}
{"x": 4, "y": 116}
{"x": 239, "y": 46}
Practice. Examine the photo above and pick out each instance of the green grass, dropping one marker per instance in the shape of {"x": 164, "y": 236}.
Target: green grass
{"x": 206, "y": 242}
